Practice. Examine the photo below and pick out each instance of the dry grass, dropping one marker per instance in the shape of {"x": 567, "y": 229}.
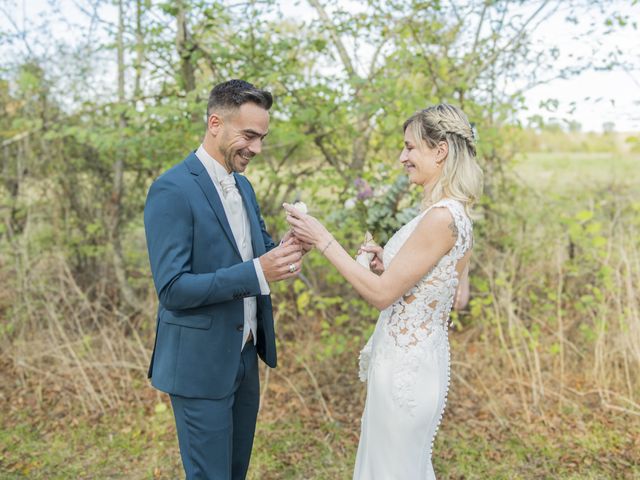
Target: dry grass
{"x": 545, "y": 361}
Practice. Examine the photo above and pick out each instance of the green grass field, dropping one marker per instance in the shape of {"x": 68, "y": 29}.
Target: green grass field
{"x": 572, "y": 172}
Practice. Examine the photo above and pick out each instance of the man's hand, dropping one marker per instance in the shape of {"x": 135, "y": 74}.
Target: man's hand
{"x": 282, "y": 262}
{"x": 306, "y": 247}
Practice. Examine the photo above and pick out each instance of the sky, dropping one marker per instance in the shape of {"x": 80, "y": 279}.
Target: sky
{"x": 600, "y": 96}
{"x": 591, "y": 98}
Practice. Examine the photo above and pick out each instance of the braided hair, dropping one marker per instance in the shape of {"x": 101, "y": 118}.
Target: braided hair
{"x": 461, "y": 176}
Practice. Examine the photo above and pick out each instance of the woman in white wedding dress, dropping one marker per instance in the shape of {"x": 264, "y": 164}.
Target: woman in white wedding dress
{"x": 406, "y": 361}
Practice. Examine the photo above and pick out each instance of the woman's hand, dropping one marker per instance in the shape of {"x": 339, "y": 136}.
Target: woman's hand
{"x": 376, "y": 264}
{"x": 306, "y": 228}
{"x": 306, "y": 247}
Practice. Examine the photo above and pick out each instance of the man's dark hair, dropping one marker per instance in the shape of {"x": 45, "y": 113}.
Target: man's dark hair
{"x": 235, "y": 93}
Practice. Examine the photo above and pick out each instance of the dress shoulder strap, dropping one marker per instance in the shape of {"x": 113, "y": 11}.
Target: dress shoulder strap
{"x": 462, "y": 223}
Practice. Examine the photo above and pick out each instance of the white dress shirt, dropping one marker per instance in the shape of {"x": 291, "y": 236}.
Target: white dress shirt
{"x": 241, "y": 229}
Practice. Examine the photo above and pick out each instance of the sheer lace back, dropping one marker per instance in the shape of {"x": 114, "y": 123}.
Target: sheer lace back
{"x": 426, "y": 307}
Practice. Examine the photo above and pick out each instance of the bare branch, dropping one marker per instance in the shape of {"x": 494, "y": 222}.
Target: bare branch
{"x": 342, "y": 51}
{"x": 479, "y": 28}
{"x": 21, "y": 33}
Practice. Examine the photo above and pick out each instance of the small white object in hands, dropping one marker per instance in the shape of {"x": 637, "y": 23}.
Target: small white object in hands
{"x": 365, "y": 258}
{"x": 301, "y": 207}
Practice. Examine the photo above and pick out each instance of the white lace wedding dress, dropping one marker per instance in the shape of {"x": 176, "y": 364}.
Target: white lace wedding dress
{"x": 406, "y": 365}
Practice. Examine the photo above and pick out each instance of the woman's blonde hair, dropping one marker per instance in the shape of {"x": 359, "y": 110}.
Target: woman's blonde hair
{"x": 461, "y": 176}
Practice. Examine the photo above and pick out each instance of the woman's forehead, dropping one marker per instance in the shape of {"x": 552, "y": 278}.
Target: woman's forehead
{"x": 408, "y": 135}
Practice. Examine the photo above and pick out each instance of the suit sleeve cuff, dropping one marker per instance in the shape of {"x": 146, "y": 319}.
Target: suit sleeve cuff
{"x": 264, "y": 286}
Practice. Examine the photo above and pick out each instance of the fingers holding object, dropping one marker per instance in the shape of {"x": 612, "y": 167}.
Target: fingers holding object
{"x": 289, "y": 248}
{"x": 289, "y": 242}
{"x": 294, "y": 222}
{"x": 292, "y": 211}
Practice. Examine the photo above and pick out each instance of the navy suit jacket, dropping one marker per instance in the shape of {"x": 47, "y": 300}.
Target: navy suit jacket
{"x": 201, "y": 281}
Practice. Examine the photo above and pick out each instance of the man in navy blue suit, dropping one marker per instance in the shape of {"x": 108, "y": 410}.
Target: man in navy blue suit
{"x": 212, "y": 261}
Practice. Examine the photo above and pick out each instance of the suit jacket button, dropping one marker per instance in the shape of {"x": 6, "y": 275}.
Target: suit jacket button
{"x": 240, "y": 328}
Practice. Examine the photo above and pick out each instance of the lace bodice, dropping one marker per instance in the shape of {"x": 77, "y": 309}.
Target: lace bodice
{"x": 415, "y": 315}
{"x": 422, "y": 313}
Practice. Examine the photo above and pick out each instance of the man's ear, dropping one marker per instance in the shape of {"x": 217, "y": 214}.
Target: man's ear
{"x": 214, "y": 123}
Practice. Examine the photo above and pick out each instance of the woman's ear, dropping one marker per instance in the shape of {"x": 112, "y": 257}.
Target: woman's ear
{"x": 442, "y": 152}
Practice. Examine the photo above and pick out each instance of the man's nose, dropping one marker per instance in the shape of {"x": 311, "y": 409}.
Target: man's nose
{"x": 256, "y": 146}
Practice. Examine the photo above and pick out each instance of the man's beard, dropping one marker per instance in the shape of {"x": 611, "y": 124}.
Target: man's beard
{"x": 229, "y": 153}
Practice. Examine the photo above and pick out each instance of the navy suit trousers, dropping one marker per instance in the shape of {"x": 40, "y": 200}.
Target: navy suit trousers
{"x": 216, "y": 435}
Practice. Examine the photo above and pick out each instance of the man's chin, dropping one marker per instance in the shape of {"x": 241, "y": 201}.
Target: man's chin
{"x": 241, "y": 164}
{"x": 240, "y": 167}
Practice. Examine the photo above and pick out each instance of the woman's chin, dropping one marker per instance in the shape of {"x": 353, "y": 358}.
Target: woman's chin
{"x": 414, "y": 179}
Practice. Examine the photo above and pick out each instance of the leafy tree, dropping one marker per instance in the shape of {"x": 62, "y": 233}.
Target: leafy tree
{"x": 116, "y": 108}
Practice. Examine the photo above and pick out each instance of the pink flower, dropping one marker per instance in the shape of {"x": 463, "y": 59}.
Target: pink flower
{"x": 364, "y": 189}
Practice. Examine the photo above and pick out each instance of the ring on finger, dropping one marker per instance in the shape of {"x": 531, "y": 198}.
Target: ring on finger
{"x": 292, "y": 267}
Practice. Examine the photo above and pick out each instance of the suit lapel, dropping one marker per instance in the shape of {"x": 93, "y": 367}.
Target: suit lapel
{"x": 256, "y": 231}
{"x": 206, "y": 185}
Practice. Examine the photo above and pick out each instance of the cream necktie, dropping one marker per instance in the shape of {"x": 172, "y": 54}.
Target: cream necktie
{"x": 234, "y": 203}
